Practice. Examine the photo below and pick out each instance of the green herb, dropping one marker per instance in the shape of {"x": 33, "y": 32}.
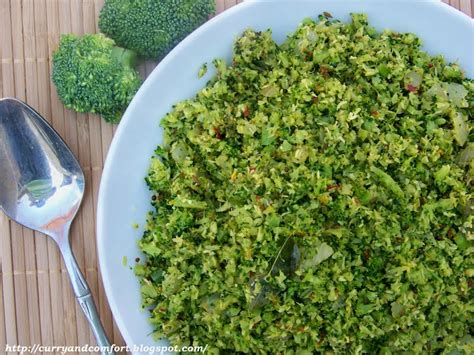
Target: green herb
{"x": 316, "y": 197}
{"x": 202, "y": 70}
{"x": 387, "y": 181}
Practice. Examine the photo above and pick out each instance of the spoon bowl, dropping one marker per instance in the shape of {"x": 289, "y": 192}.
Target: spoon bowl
{"x": 42, "y": 182}
{"x": 41, "y": 187}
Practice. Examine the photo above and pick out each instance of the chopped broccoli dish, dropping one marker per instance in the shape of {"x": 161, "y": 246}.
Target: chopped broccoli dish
{"x": 316, "y": 197}
{"x": 152, "y": 27}
{"x": 93, "y": 75}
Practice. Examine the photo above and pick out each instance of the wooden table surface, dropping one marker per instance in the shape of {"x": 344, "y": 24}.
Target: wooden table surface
{"x": 37, "y": 305}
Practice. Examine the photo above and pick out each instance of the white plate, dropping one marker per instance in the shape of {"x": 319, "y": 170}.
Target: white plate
{"x": 124, "y": 198}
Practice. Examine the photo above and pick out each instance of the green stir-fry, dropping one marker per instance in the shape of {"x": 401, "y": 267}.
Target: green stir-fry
{"x": 317, "y": 196}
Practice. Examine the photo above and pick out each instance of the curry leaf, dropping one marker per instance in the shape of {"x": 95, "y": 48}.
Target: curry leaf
{"x": 287, "y": 258}
{"x": 286, "y": 261}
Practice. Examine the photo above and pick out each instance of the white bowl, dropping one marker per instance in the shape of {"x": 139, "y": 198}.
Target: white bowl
{"x": 124, "y": 199}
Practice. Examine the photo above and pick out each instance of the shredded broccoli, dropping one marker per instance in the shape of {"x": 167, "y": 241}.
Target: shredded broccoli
{"x": 91, "y": 74}
{"x": 316, "y": 197}
{"x": 152, "y": 27}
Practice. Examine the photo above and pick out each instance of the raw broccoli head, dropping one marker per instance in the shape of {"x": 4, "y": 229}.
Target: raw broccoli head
{"x": 92, "y": 75}
{"x": 152, "y": 27}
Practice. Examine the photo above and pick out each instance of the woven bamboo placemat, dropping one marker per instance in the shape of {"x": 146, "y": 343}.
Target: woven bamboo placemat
{"x": 37, "y": 305}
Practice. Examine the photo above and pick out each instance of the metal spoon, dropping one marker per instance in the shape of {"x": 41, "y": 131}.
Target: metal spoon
{"x": 41, "y": 187}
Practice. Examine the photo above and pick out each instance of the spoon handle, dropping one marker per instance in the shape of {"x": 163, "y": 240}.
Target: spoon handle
{"x": 84, "y": 296}
{"x": 89, "y": 309}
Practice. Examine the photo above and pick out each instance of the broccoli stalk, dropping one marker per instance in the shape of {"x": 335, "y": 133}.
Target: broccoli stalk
{"x": 152, "y": 27}
{"x": 93, "y": 75}
{"x": 126, "y": 57}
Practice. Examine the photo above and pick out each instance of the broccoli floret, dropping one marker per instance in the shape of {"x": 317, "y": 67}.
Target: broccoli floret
{"x": 91, "y": 74}
{"x": 152, "y": 27}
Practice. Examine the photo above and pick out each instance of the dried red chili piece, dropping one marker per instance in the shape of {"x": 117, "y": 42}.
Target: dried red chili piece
{"x": 333, "y": 187}
{"x": 246, "y": 112}
{"x": 411, "y": 88}
{"x": 218, "y": 133}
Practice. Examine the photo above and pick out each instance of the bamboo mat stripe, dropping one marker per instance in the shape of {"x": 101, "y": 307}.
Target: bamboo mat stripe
{"x": 37, "y": 304}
